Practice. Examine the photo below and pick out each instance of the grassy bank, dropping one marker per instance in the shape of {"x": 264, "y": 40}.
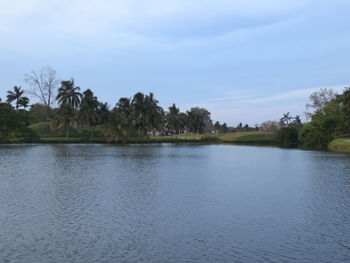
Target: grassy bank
{"x": 49, "y": 135}
{"x": 340, "y": 145}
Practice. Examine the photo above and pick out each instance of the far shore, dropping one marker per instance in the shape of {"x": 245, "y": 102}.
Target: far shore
{"x": 47, "y": 135}
{"x": 255, "y": 137}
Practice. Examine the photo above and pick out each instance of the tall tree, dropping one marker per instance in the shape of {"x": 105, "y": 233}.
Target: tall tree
{"x": 173, "y": 119}
{"x": 88, "y": 113}
{"x": 147, "y": 115}
{"x": 69, "y": 94}
{"x": 64, "y": 117}
{"x": 198, "y": 119}
{"x": 103, "y": 112}
{"x": 43, "y": 85}
{"x": 154, "y": 113}
{"x": 23, "y": 102}
{"x": 288, "y": 134}
{"x": 139, "y": 113}
{"x": 17, "y": 96}
{"x": 121, "y": 123}
{"x": 286, "y": 119}
{"x": 319, "y": 100}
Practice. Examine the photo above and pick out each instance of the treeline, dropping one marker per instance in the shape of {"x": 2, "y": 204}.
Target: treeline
{"x": 142, "y": 116}
{"x": 329, "y": 119}
{"x": 137, "y": 116}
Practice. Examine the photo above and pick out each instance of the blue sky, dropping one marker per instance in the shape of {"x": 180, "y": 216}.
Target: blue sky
{"x": 244, "y": 60}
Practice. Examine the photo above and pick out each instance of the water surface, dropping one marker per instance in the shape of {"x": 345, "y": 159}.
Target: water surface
{"x": 173, "y": 203}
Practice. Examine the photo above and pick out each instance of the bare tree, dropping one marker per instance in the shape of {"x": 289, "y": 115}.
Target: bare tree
{"x": 319, "y": 99}
{"x": 270, "y": 126}
{"x": 43, "y": 85}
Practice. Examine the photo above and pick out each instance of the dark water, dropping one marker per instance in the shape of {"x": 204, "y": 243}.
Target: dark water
{"x": 168, "y": 203}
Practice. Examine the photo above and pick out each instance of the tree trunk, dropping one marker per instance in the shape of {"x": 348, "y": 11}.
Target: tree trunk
{"x": 91, "y": 134}
{"x": 67, "y": 132}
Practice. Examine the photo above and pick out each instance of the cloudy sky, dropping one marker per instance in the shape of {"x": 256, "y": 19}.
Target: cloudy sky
{"x": 244, "y": 60}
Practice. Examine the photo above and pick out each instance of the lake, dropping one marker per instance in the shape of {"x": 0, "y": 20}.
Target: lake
{"x": 173, "y": 203}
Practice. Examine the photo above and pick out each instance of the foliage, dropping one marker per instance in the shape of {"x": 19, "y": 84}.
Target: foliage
{"x": 69, "y": 94}
{"x": 37, "y": 113}
{"x": 64, "y": 118}
{"x": 220, "y": 128}
{"x": 326, "y": 124}
{"x": 89, "y": 111}
{"x": 198, "y": 119}
{"x": 174, "y": 122}
{"x": 14, "y": 124}
{"x": 319, "y": 100}
{"x": 288, "y": 134}
{"x": 17, "y": 96}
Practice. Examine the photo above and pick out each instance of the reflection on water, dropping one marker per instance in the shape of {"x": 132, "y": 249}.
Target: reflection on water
{"x": 173, "y": 203}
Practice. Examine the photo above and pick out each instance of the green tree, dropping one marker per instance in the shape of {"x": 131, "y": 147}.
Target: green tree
{"x": 14, "y": 124}
{"x": 37, "y": 112}
{"x": 139, "y": 113}
{"x": 17, "y": 96}
{"x": 120, "y": 125}
{"x": 147, "y": 115}
{"x": 326, "y": 124}
{"x": 7, "y": 121}
{"x": 88, "y": 113}
{"x": 23, "y": 102}
{"x": 198, "y": 118}
{"x": 173, "y": 120}
{"x": 289, "y": 131}
{"x": 217, "y": 127}
{"x": 64, "y": 117}
{"x": 154, "y": 114}
{"x": 103, "y": 112}
{"x": 69, "y": 94}
{"x": 184, "y": 122}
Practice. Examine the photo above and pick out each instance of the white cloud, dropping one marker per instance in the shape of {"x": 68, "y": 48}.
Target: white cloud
{"x": 291, "y": 95}
{"x": 254, "y": 109}
{"x": 145, "y": 18}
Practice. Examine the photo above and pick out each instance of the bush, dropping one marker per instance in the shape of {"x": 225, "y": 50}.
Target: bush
{"x": 288, "y": 136}
{"x": 312, "y": 135}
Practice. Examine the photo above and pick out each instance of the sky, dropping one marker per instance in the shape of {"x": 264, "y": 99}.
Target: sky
{"x": 244, "y": 60}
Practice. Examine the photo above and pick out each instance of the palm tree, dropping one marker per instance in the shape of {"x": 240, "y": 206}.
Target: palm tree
{"x": 121, "y": 123}
{"x": 23, "y": 102}
{"x": 88, "y": 113}
{"x": 64, "y": 117}
{"x": 69, "y": 94}
{"x": 285, "y": 120}
{"x": 173, "y": 119}
{"x": 140, "y": 120}
{"x": 147, "y": 114}
{"x": 154, "y": 113}
{"x": 16, "y": 95}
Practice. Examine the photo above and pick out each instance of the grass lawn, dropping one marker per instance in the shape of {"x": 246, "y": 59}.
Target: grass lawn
{"x": 254, "y": 137}
{"x": 249, "y": 137}
{"x": 340, "y": 145}
{"x": 49, "y": 135}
